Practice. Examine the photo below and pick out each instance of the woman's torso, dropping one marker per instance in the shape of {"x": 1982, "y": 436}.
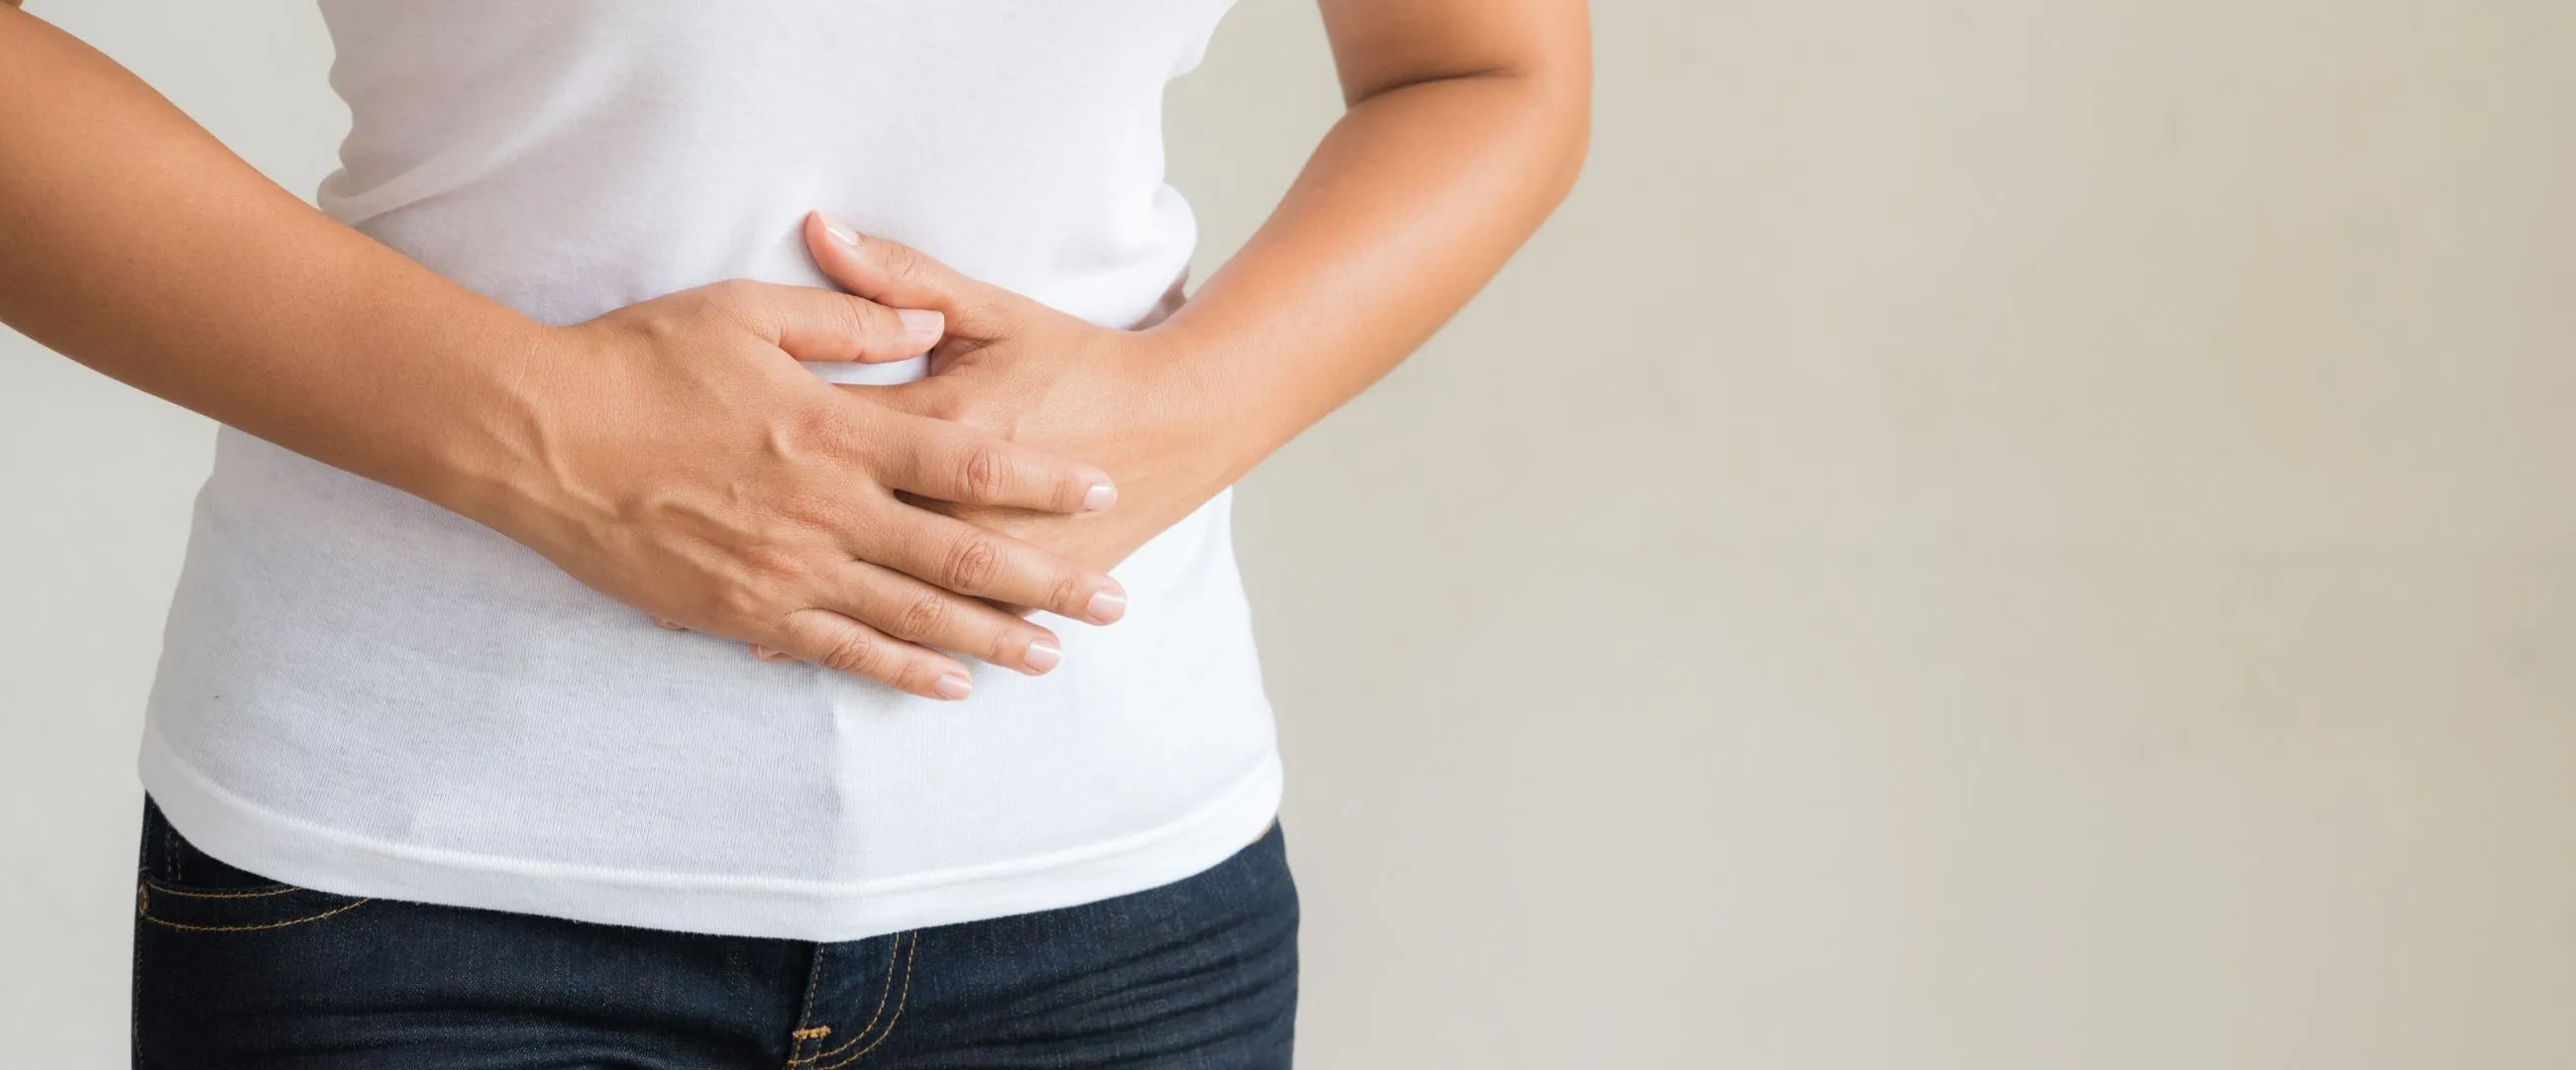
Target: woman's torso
{"x": 364, "y": 693}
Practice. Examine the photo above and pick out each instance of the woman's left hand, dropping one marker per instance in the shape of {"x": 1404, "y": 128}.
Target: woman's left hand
{"x": 1122, "y": 400}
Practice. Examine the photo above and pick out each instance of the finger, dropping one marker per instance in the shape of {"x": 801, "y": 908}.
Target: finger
{"x": 811, "y": 323}
{"x": 895, "y": 274}
{"x": 916, "y": 612}
{"x": 969, "y": 560}
{"x": 931, "y": 396}
{"x": 947, "y": 399}
{"x": 836, "y": 642}
{"x": 954, "y": 463}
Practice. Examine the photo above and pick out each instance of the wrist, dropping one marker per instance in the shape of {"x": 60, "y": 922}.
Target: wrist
{"x": 1202, "y": 396}
{"x": 488, "y": 461}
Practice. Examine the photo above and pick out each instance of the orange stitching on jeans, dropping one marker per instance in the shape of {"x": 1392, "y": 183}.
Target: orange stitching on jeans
{"x": 165, "y": 889}
{"x": 813, "y": 980}
{"x": 816, "y": 1033}
{"x": 143, "y": 910}
{"x": 898, "y": 1008}
{"x": 884, "y": 992}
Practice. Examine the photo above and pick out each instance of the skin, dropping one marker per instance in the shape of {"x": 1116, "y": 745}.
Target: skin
{"x": 868, "y": 529}
{"x": 1467, "y": 124}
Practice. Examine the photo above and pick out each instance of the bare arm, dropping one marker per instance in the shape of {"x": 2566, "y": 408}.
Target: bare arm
{"x": 138, "y": 245}
{"x": 1467, "y": 124}
{"x": 671, "y": 454}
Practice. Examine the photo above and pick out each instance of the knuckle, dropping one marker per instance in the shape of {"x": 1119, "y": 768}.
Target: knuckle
{"x": 977, "y": 413}
{"x": 1072, "y": 489}
{"x": 740, "y": 602}
{"x": 973, "y": 564}
{"x": 856, "y": 654}
{"x": 922, "y": 618}
{"x": 916, "y": 677}
{"x": 732, "y": 295}
{"x": 771, "y": 582}
{"x": 848, "y": 435}
{"x": 815, "y": 505}
{"x": 769, "y": 562}
{"x": 1067, "y": 594}
{"x": 1008, "y": 645}
{"x": 982, "y": 473}
{"x": 663, "y": 327}
{"x": 903, "y": 261}
{"x": 863, "y": 320}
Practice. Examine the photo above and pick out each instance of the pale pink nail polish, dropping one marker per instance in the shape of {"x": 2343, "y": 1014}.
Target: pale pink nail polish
{"x": 840, "y": 231}
{"x": 922, "y": 323}
{"x": 1107, "y": 606}
{"x": 953, "y": 688}
{"x": 1100, "y": 496}
{"x": 1041, "y": 656}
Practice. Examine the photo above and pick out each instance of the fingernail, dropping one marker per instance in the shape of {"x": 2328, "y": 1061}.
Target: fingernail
{"x": 669, "y": 625}
{"x": 1041, "y": 656}
{"x": 922, "y": 323}
{"x": 1100, "y": 496}
{"x": 839, "y": 231}
{"x": 953, "y": 687}
{"x": 765, "y": 654}
{"x": 1107, "y": 606}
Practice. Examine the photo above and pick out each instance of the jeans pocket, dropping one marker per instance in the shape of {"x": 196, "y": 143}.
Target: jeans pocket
{"x": 180, "y": 887}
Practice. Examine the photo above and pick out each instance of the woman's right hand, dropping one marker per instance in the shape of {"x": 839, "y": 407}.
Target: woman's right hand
{"x": 673, "y": 455}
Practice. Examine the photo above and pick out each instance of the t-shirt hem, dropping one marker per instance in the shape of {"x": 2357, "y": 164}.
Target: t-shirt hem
{"x": 301, "y": 852}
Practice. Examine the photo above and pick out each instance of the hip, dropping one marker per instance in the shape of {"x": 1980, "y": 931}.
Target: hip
{"x": 233, "y": 968}
{"x": 360, "y": 691}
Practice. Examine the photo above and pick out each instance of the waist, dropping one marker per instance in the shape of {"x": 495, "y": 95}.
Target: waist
{"x": 295, "y": 552}
{"x": 333, "y": 639}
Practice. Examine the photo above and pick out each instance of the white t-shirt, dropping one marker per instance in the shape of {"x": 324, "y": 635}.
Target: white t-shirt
{"x": 364, "y": 693}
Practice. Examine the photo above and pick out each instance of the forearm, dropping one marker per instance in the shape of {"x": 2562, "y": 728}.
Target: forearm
{"x": 1409, "y": 206}
{"x": 133, "y": 242}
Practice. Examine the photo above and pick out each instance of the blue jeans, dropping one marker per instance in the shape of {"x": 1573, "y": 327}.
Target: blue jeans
{"x": 232, "y": 969}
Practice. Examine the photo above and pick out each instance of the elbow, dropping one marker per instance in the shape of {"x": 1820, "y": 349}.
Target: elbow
{"x": 1560, "y": 110}
{"x": 1574, "y": 139}
{"x": 1557, "y": 100}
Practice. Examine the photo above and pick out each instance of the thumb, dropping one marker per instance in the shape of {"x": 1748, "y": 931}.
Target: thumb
{"x": 894, "y": 274}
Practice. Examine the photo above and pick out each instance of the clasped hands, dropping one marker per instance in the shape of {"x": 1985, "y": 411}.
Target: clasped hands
{"x": 675, "y": 456}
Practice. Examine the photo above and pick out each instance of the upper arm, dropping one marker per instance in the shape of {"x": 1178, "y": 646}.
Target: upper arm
{"x": 1382, "y": 44}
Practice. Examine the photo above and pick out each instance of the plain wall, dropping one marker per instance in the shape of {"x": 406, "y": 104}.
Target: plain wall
{"x": 1996, "y": 535}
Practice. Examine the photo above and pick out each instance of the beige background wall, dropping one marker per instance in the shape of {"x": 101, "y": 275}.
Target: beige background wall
{"x": 1997, "y": 535}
